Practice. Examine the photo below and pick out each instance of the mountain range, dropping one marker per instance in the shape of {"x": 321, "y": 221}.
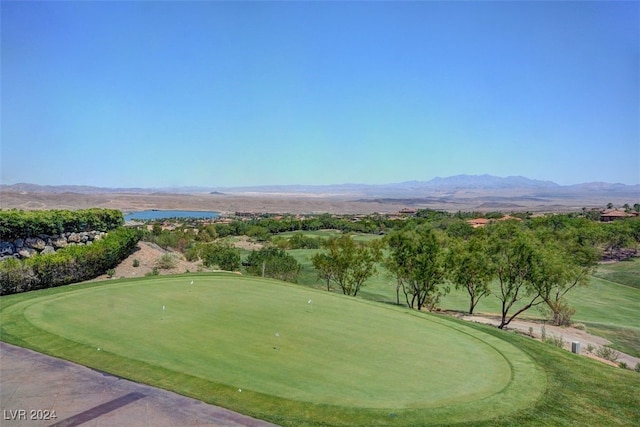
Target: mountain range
{"x": 435, "y": 186}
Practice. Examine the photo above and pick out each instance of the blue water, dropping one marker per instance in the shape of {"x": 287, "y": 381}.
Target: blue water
{"x": 152, "y": 215}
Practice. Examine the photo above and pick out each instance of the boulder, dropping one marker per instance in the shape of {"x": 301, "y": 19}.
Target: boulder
{"x": 7, "y": 249}
{"x": 19, "y": 243}
{"x": 26, "y": 252}
{"x": 48, "y": 250}
{"x": 59, "y": 242}
{"x": 35, "y": 243}
{"x": 74, "y": 238}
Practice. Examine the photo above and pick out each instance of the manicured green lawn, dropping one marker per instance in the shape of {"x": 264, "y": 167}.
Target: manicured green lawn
{"x": 334, "y": 360}
{"x": 625, "y": 272}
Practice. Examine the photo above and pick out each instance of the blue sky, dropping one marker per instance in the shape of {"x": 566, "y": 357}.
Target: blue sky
{"x": 157, "y": 94}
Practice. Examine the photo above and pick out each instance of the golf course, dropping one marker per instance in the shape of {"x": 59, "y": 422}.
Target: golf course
{"x": 294, "y": 355}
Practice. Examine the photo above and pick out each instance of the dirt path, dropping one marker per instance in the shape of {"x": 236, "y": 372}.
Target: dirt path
{"x": 568, "y": 335}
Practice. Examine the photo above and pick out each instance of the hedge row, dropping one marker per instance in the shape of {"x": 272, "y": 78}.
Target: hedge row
{"x": 16, "y": 224}
{"x": 69, "y": 265}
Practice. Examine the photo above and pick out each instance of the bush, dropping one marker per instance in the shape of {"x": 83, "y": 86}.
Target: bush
{"x": 637, "y": 367}
{"x": 273, "y": 262}
{"x": 167, "y": 262}
{"x": 136, "y": 263}
{"x": 153, "y": 272}
{"x": 16, "y": 224}
{"x": 111, "y": 272}
{"x": 555, "y": 341}
{"x": 607, "y": 353}
{"x": 623, "y": 365}
{"x": 69, "y": 265}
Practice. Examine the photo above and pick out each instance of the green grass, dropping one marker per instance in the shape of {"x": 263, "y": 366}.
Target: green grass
{"x": 337, "y": 361}
{"x": 625, "y": 272}
{"x": 608, "y": 309}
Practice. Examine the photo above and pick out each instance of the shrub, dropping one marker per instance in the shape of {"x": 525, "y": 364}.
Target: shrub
{"x": 590, "y": 348}
{"x": 16, "y": 224}
{"x": 153, "y": 272}
{"x": 623, "y": 365}
{"x": 111, "y": 272}
{"x": 607, "y": 353}
{"x": 167, "y": 262}
{"x": 555, "y": 341}
{"x": 68, "y": 265}
{"x": 273, "y": 262}
{"x": 136, "y": 263}
{"x": 637, "y": 367}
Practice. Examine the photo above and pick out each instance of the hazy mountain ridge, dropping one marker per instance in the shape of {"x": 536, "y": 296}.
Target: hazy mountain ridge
{"x": 438, "y": 185}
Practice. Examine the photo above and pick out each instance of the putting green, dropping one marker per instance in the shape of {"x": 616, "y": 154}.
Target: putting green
{"x": 299, "y": 345}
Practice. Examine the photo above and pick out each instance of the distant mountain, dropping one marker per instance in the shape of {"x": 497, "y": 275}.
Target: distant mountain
{"x": 488, "y": 182}
{"x": 413, "y": 189}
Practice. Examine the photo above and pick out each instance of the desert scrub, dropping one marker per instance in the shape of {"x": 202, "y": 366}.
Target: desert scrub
{"x": 556, "y": 341}
{"x": 607, "y": 353}
{"x": 167, "y": 262}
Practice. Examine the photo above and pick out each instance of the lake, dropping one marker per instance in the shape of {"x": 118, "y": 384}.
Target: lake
{"x": 160, "y": 214}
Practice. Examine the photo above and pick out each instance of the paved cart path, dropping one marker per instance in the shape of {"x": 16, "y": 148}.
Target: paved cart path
{"x": 33, "y": 385}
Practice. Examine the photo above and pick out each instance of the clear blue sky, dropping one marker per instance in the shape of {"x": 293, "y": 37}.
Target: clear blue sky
{"x": 158, "y": 94}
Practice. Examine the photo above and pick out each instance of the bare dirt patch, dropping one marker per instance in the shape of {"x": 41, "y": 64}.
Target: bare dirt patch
{"x": 568, "y": 334}
{"x": 148, "y": 255}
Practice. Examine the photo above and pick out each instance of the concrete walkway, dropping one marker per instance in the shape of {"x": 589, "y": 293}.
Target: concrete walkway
{"x": 33, "y": 385}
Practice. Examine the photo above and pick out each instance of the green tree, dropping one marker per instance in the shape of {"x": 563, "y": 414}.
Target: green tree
{"x": 273, "y": 262}
{"x": 219, "y": 254}
{"x": 469, "y": 267}
{"x": 417, "y": 262}
{"x": 322, "y": 262}
{"x": 571, "y": 255}
{"x": 348, "y": 263}
{"x": 517, "y": 262}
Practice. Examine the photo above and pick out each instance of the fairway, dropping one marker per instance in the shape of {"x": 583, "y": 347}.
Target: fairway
{"x": 274, "y": 340}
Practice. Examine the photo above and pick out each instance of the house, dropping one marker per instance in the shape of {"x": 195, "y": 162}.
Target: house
{"x": 481, "y": 222}
{"x": 478, "y": 222}
{"x": 609, "y": 215}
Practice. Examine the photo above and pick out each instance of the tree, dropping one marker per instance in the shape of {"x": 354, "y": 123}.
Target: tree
{"x": 348, "y": 263}
{"x": 469, "y": 267}
{"x": 273, "y": 262}
{"x": 220, "y": 254}
{"x": 571, "y": 256}
{"x": 517, "y": 263}
{"x": 322, "y": 262}
{"x": 417, "y": 262}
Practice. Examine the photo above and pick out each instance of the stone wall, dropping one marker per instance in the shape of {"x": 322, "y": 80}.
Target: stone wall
{"x": 42, "y": 244}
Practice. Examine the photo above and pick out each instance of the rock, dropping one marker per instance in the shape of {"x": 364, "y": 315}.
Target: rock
{"x": 26, "y": 252}
{"x": 35, "y": 243}
{"x": 59, "y": 243}
{"x": 74, "y": 238}
{"x": 19, "y": 243}
{"x": 48, "y": 250}
{"x": 98, "y": 236}
{"x": 7, "y": 249}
